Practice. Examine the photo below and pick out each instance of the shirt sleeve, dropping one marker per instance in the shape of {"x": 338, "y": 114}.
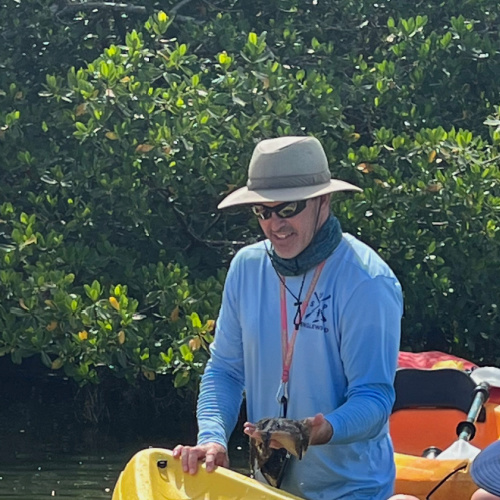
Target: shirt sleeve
{"x": 370, "y": 328}
{"x": 221, "y": 391}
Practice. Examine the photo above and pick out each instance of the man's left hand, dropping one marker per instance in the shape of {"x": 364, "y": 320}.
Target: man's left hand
{"x": 321, "y": 431}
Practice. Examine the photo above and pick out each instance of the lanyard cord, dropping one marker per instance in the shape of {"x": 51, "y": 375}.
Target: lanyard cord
{"x": 287, "y": 345}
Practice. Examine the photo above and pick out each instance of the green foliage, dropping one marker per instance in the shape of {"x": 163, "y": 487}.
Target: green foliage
{"x": 119, "y": 134}
{"x": 433, "y": 212}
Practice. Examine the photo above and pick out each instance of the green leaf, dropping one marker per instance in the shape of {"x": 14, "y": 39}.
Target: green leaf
{"x": 181, "y": 379}
{"x": 46, "y": 359}
{"x": 195, "y": 320}
{"x": 121, "y": 358}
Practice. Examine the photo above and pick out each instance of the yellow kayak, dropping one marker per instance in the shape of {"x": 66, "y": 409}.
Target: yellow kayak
{"x": 154, "y": 474}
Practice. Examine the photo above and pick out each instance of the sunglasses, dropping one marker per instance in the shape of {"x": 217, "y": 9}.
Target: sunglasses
{"x": 283, "y": 210}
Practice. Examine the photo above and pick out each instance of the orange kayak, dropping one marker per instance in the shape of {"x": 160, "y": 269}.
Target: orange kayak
{"x": 431, "y": 424}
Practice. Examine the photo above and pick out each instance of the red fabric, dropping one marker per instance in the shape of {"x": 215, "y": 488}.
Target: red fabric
{"x": 426, "y": 360}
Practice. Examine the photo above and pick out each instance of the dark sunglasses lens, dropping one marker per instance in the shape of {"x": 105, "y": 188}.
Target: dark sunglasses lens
{"x": 284, "y": 211}
{"x": 289, "y": 210}
{"x": 261, "y": 212}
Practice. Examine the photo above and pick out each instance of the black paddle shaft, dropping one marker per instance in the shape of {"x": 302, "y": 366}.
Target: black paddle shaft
{"x": 466, "y": 430}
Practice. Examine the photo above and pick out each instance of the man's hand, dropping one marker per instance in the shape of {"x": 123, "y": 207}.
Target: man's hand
{"x": 213, "y": 453}
{"x": 321, "y": 431}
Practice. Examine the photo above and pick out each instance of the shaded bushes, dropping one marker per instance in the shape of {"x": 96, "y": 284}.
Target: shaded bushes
{"x": 112, "y": 249}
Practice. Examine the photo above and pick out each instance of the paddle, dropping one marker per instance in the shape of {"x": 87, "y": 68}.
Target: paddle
{"x": 490, "y": 374}
{"x": 466, "y": 429}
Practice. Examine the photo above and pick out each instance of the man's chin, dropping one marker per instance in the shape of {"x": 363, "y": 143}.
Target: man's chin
{"x": 285, "y": 253}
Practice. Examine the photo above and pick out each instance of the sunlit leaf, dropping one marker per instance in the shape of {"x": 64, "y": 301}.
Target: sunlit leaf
{"x": 29, "y": 241}
{"x": 434, "y": 187}
{"x": 150, "y": 375}
{"x": 51, "y": 326}
{"x": 144, "y": 148}
{"x": 114, "y": 303}
{"x": 174, "y": 315}
{"x": 195, "y": 343}
{"x": 366, "y": 168}
{"x": 57, "y": 363}
{"x": 81, "y": 109}
{"x": 121, "y": 337}
{"x": 195, "y": 320}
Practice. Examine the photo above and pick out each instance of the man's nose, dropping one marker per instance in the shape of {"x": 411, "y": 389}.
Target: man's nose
{"x": 276, "y": 221}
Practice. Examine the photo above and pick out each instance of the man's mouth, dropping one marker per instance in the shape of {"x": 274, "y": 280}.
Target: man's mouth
{"x": 282, "y": 236}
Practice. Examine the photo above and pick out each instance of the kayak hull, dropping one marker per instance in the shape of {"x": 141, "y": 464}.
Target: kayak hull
{"x": 154, "y": 474}
{"x": 417, "y": 475}
{"x": 430, "y": 404}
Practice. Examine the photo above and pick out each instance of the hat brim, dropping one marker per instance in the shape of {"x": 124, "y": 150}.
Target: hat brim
{"x": 245, "y": 196}
{"x": 485, "y": 469}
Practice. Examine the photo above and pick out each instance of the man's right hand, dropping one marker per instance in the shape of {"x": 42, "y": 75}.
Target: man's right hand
{"x": 214, "y": 454}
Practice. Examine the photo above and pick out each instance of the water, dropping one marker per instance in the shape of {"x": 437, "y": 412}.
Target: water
{"x": 69, "y": 463}
{"x": 60, "y": 477}
{"x": 47, "y": 450}
{"x": 38, "y": 475}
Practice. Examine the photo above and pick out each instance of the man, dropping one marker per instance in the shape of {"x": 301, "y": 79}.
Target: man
{"x": 309, "y": 328}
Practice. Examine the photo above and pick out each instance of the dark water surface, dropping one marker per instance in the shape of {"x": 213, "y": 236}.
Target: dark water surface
{"x": 49, "y": 474}
{"x": 48, "y": 450}
{"x": 60, "y": 476}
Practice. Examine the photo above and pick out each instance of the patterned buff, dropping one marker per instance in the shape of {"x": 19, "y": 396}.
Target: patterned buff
{"x": 323, "y": 244}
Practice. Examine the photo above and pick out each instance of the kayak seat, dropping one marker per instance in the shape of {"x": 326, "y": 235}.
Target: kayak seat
{"x": 444, "y": 388}
{"x": 429, "y": 406}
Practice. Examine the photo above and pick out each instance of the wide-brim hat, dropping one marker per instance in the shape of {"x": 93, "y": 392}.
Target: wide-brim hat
{"x": 485, "y": 469}
{"x": 287, "y": 169}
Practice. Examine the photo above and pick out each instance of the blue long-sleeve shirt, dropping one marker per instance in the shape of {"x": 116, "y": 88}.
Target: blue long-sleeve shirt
{"x": 343, "y": 366}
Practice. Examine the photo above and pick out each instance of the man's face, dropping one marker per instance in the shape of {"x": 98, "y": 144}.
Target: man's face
{"x": 292, "y": 235}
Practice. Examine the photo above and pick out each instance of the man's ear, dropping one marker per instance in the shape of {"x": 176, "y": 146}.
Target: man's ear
{"x": 326, "y": 199}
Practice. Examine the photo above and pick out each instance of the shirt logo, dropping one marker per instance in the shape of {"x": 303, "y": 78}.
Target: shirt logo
{"x": 315, "y": 319}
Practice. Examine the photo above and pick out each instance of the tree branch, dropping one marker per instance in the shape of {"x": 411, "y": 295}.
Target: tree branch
{"x": 71, "y": 8}
{"x": 181, "y": 4}
{"x": 210, "y": 243}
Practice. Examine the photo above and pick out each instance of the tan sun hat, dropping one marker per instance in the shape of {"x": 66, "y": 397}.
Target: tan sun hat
{"x": 287, "y": 169}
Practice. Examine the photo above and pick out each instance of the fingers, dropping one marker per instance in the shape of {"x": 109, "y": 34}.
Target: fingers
{"x": 321, "y": 429}
{"x": 214, "y": 454}
{"x": 215, "y": 457}
{"x": 210, "y": 459}
{"x": 176, "y": 452}
{"x": 190, "y": 458}
{"x": 251, "y": 431}
{"x": 249, "y": 428}
{"x": 318, "y": 419}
